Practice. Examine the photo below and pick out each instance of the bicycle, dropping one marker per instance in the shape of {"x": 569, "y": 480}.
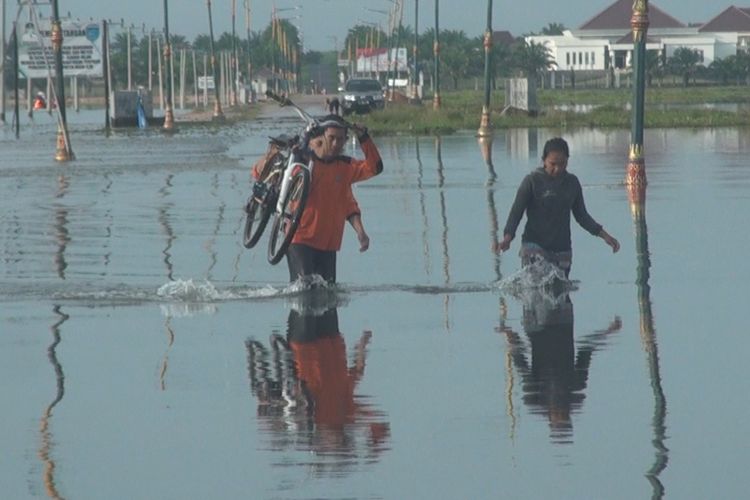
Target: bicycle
{"x": 282, "y": 187}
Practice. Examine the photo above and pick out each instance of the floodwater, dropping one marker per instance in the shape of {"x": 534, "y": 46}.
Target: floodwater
{"x": 144, "y": 353}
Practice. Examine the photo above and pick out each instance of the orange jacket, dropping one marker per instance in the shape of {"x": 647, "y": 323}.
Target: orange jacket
{"x": 331, "y": 201}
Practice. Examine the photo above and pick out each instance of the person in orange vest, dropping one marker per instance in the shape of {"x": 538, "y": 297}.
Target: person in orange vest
{"x": 331, "y": 201}
{"x": 40, "y": 102}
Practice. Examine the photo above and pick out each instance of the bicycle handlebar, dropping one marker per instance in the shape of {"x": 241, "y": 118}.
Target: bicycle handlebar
{"x": 311, "y": 121}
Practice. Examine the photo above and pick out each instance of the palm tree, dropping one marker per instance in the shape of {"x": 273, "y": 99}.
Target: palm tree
{"x": 532, "y": 59}
{"x": 554, "y": 29}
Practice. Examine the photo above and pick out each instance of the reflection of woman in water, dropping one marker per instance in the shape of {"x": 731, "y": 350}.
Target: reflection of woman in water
{"x": 312, "y": 401}
{"x": 555, "y": 377}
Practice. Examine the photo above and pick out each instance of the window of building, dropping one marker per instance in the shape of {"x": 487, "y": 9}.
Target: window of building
{"x": 567, "y": 58}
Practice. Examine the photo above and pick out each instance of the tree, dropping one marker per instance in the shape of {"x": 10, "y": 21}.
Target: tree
{"x": 455, "y": 54}
{"x": 684, "y": 62}
{"x": 553, "y": 29}
{"x": 531, "y": 59}
{"x": 654, "y": 66}
{"x": 723, "y": 69}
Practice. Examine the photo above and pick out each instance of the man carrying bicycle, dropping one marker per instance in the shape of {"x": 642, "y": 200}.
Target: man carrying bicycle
{"x": 331, "y": 202}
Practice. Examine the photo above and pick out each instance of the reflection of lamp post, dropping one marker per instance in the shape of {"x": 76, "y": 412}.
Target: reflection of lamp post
{"x": 168, "y": 111}
{"x": 636, "y": 170}
{"x": 637, "y": 198}
{"x": 218, "y": 113}
{"x": 64, "y": 151}
{"x": 485, "y": 127}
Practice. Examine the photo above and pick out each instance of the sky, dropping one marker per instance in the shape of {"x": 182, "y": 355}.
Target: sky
{"x": 324, "y": 23}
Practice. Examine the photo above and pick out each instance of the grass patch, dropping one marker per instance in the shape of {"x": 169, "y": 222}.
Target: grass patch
{"x": 462, "y": 111}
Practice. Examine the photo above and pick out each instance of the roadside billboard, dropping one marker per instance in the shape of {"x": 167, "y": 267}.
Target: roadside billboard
{"x": 82, "y": 49}
{"x": 376, "y": 59}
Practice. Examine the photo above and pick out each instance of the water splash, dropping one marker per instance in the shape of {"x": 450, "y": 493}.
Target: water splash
{"x": 191, "y": 291}
{"x": 540, "y": 280}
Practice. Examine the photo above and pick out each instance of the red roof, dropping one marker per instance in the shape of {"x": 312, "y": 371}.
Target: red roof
{"x": 502, "y": 38}
{"x": 617, "y": 16}
{"x": 732, "y": 19}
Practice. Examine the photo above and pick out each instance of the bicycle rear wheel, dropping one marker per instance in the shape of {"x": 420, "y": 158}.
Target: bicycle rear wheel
{"x": 285, "y": 223}
{"x": 260, "y": 204}
{"x": 255, "y": 222}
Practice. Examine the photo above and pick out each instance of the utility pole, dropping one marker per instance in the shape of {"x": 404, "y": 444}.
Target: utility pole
{"x": 218, "y": 113}
{"x": 247, "y": 28}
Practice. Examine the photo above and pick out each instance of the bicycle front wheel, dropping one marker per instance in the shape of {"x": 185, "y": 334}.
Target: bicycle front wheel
{"x": 285, "y": 223}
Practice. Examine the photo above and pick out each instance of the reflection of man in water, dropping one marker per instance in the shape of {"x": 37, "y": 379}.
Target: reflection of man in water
{"x": 556, "y": 375}
{"x": 328, "y": 419}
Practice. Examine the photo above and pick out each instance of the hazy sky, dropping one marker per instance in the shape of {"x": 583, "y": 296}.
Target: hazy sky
{"x": 321, "y": 20}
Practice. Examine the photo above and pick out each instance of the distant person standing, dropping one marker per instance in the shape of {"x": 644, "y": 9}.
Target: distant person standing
{"x": 548, "y": 195}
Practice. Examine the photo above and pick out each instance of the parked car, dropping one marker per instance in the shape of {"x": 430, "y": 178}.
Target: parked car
{"x": 361, "y": 95}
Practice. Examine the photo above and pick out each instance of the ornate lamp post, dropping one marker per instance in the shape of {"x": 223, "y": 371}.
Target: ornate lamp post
{"x": 168, "y": 110}
{"x": 436, "y": 50}
{"x": 415, "y": 75}
{"x": 218, "y": 113}
{"x": 64, "y": 152}
{"x": 233, "y": 66}
{"x": 636, "y": 170}
{"x": 485, "y": 127}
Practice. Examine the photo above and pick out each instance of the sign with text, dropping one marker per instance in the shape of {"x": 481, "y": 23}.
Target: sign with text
{"x": 376, "y": 59}
{"x": 206, "y": 83}
{"x": 81, "y": 49}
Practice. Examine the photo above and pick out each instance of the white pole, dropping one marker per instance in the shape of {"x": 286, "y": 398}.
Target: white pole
{"x": 161, "y": 75}
{"x": 182, "y": 79}
{"x": 195, "y": 81}
{"x": 130, "y": 70}
{"x": 74, "y": 84}
{"x": 150, "y": 61}
{"x": 205, "y": 80}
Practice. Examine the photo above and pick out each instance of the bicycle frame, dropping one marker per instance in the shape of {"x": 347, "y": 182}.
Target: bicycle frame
{"x": 294, "y": 161}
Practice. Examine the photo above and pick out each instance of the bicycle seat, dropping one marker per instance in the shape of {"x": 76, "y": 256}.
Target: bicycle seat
{"x": 284, "y": 141}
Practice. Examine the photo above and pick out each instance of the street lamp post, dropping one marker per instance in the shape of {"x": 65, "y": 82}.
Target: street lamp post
{"x": 168, "y": 110}
{"x": 64, "y": 151}
{"x": 247, "y": 27}
{"x": 233, "y": 67}
{"x": 436, "y": 50}
{"x": 415, "y": 75}
{"x": 485, "y": 126}
{"x": 636, "y": 170}
{"x": 218, "y": 113}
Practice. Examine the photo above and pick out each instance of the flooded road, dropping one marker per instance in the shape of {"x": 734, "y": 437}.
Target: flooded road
{"x": 145, "y": 353}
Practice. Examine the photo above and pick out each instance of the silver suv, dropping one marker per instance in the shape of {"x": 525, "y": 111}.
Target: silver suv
{"x": 361, "y": 95}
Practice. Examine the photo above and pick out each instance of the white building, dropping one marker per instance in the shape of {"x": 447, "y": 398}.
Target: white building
{"x": 606, "y": 40}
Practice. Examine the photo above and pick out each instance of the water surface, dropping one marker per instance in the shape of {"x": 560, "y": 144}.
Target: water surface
{"x": 145, "y": 353}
